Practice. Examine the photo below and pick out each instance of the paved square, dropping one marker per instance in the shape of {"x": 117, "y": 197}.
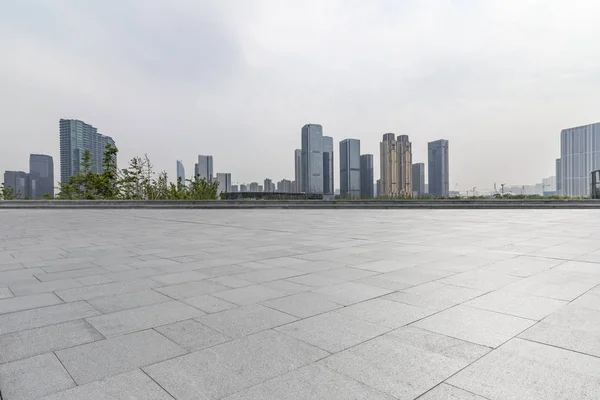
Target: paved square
{"x": 299, "y": 304}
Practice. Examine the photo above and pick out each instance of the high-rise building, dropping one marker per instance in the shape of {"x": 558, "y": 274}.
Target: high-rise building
{"x": 389, "y": 166}
{"x": 418, "y": 179}
{"x": 261, "y": 188}
{"x": 312, "y": 158}
{"x": 19, "y": 182}
{"x": 298, "y": 170}
{"x": 404, "y": 150}
{"x": 350, "y": 168}
{"x": 204, "y": 168}
{"x": 284, "y": 186}
{"x": 224, "y": 180}
{"x": 76, "y": 137}
{"x": 579, "y": 155}
{"x": 41, "y": 176}
{"x": 438, "y": 174}
{"x": 558, "y": 177}
{"x": 254, "y": 186}
{"x": 268, "y": 185}
{"x": 243, "y": 188}
{"x": 366, "y": 176}
{"x": 378, "y": 188}
{"x": 328, "y": 165}
{"x": 234, "y": 188}
{"x": 180, "y": 173}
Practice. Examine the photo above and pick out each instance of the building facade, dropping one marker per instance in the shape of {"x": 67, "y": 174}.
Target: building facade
{"x": 180, "y": 173}
{"x": 77, "y": 137}
{"x": 41, "y": 176}
{"x": 388, "y": 166}
{"x": 595, "y": 185}
{"x": 438, "y": 173}
{"x": 579, "y": 155}
{"x": 418, "y": 179}
{"x": 312, "y": 159}
{"x": 328, "y": 165}
{"x": 558, "y": 178}
{"x": 204, "y": 168}
{"x": 254, "y": 186}
{"x": 350, "y": 168}
{"x": 19, "y": 182}
{"x": 243, "y": 188}
{"x": 404, "y": 157}
{"x": 224, "y": 180}
{"x": 366, "y": 176}
{"x": 284, "y": 186}
{"x": 268, "y": 185}
{"x": 298, "y": 170}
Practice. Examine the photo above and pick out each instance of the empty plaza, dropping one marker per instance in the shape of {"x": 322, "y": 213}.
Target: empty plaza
{"x": 299, "y": 304}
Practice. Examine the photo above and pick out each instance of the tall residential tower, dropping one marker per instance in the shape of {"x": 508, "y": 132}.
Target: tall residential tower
{"x": 366, "y": 176}
{"x": 579, "y": 156}
{"x": 41, "y": 176}
{"x": 438, "y": 175}
{"x": 180, "y": 173}
{"x": 312, "y": 158}
{"x": 350, "y": 168}
{"x": 204, "y": 168}
{"x": 404, "y": 157}
{"x": 389, "y": 166}
{"x": 327, "y": 165}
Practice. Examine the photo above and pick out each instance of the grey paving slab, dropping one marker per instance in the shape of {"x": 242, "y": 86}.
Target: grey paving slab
{"x": 268, "y": 275}
{"x": 79, "y": 273}
{"x": 316, "y": 280}
{"x": 250, "y": 294}
{"x": 38, "y": 317}
{"x": 288, "y": 287}
{"x": 5, "y": 293}
{"x": 94, "y": 280}
{"x": 141, "y": 318}
{"x": 133, "y": 385}
{"x": 474, "y": 325}
{"x": 99, "y": 360}
{"x": 415, "y": 275}
{"x": 303, "y": 305}
{"x": 8, "y": 278}
{"x": 532, "y": 371}
{"x": 405, "y": 363}
{"x": 10, "y": 267}
{"x": 435, "y": 296}
{"x": 481, "y": 279}
{"x": 523, "y": 266}
{"x": 314, "y": 382}
{"x": 243, "y": 321}
{"x": 209, "y": 304}
{"x": 231, "y": 281}
{"x": 43, "y": 287}
{"x": 517, "y": 304}
{"x": 234, "y": 366}
{"x": 108, "y": 289}
{"x": 192, "y": 335}
{"x": 555, "y": 285}
{"x": 347, "y": 274}
{"x": 191, "y": 289}
{"x": 332, "y": 331}
{"x": 350, "y": 292}
{"x": 448, "y": 392}
{"x": 126, "y": 301}
{"x": 28, "y": 302}
{"x": 590, "y": 300}
{"x": 386, "y": 313}
{"x": 24, "y": 344}
{"x": 181, "y": 277}
{"x": 33, "y": 377}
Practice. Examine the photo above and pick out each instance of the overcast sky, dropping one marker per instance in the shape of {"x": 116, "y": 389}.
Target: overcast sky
{"x": 238, "y": 78}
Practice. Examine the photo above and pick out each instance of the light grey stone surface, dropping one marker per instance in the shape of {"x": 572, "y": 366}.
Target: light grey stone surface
{"x": 98, "y": 360}
{"x": 304, "y": 304}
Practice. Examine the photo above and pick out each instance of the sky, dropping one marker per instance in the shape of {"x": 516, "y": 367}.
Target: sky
{"x": 237, "y": 79}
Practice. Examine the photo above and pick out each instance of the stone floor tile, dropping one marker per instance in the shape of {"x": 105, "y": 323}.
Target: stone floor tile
{"x": 350, "y": 292}
{"x": 303, "y": 305}
{"x": 209, "y": 304}
{"x": 386, "y": 313}
{"x": 474, "y": 325}
{"x": 5, "y": 293}
{"x": 448, "y": 392}
{"x": 94, "y": 280}
{"x": 44, "y": 287}
{"x": 517, "y": 304}
{"x": 28, "y": 302}
{"x": 126, "y": 301}
{"x": 99, "y": 360}
{"x": 523, "y": 266}
{"x": 191, "y": 289}
{"x": 192, "y": 335}
{"x": 559, "y": 286}
{"x": 316, "y": 280}
{"x": 481, "y": 279}
{"x": 268, "y": 275}
{"x": 79, "y": 273}
{"x": 250, "y": 294}
{"x": 181, "y": 277}
{"x": 231, "y": 281}
{"x": 105, "y": 290}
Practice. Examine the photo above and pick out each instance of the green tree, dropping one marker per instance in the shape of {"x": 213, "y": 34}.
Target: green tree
{"x": 8, "y": 193}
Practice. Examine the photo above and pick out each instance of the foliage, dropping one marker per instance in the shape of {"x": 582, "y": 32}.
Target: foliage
{"x": 136, "y": 182}
{"x": 8, "y": 193}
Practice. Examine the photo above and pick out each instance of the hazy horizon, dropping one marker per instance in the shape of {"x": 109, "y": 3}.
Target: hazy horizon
{"x": 238, "y": 80}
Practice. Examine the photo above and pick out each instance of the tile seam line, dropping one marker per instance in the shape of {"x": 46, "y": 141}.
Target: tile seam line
{"x": 158, "y": 384}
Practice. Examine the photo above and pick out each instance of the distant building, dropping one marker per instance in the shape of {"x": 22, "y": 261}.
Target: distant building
{"x": 41, "y": 176}
{"x": 438, "y": 175}
{"x": 269, "y": 185}
{"x": 77, "y": 137}
{"x": 243, "y": 188}
{"x": 350, "y": 168}
{"x": 19, "y": 182}
{"x": 328, "y": 165}
{"x": 579, "y": 155}
{"x": 558, "y": 177}
{"x": 254, "y": 187}
{"x": 366, "y": 176}
{"x": 224, "y": 180}
{"x": 378, "y": 188}
{"x": 298, "y": 170}
{"x": 261, "y": 188}
{"x": 389, "y": 166}
{"x": 549, "y": 186}
{"x": 234, "y": 189}
{"x": 595, "y": 186}
{"x": 312, "y": 159}
{"x": 404, "y": 150}
{"x": 204, "y": 168}
{"x": 180, "y": 173}
{"x": 284, "y": 186}
{"x": 426, "y": 188}
{"x": 418, "y": 178}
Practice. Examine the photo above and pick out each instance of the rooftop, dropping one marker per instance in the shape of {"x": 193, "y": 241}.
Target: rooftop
{"x": 299, "y": 304}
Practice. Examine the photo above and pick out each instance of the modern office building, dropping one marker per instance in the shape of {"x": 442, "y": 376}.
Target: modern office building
{"x": 254, "y": 187}
{"x": 595, "y": 184}
{"x": 388, "y": 166}
{"x": 438, "y": 173}
{"x": 204, "y": 168}
{"x": 269, "y": 185}
{"x": 579, "y": 155}
{"x": 312, "y": 159}
{"x": 76, "y": 137}
{"x": 378, "y": 188}
{"x": 234, "y": 188}
{"x": 558, "y": 177}
{"x": 224, "y": 180}
{"x": 328, "y": 165}
{"x": 298, "y": 170}
{"x": 180, "y": 173}
{"x": 418, "y": 179}
{"x": 404, "y": 150}
{"x": 350, "y": 168}
{"x": 243, "y": 188}
{"x": 41, "y": 176}
{"x": 284, "y": 186}
{"x": 366, "y": 176}
{"x": 19, "y": 182}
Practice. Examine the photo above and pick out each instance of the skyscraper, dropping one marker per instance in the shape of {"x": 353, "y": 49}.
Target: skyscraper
{"x": 389, "y": 166}
{"x": 404, "y": 150}
{"x": 41, "y": 176}
{"x": 75, "y": 138}
{"x": 312, "y": 158}
{"x": 268, "y": 185}
{"x": 327, "y": 165}
{"x": 579, "y": 156}
{"x": 366, "y": 176}
{"x": 298, "y": 170}
{"x": 284, "y": 186}
{"x": 19, "y": 182}
{"x": 224, "y": 180}
{"x": 350, "y": 168}
{"x": 180, "y": 173}
{"x": 418, "y": 178}
{"x": 558, "y": 177}
{"x": 254, "y": 186}
{"x": 204, "y": 168}
{"x": 438, "y": 175}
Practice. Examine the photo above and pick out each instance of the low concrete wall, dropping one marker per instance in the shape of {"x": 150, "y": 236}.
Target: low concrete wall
{"x": 300, "y": 204}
